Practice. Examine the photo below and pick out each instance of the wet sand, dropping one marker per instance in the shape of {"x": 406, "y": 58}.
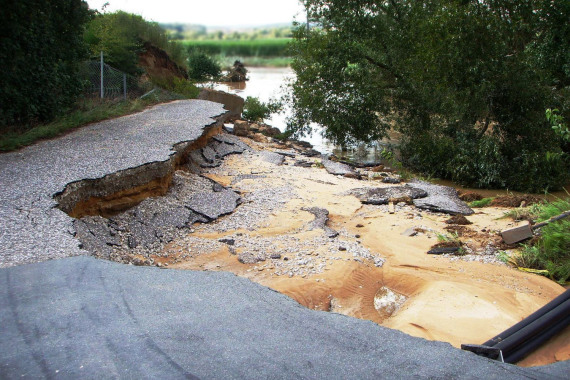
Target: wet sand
{"x": 466, "y": 299}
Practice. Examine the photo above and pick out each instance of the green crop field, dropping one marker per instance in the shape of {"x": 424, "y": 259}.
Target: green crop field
{"x": 274, "y": 47}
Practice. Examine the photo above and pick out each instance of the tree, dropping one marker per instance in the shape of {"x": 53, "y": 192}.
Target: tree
{"x": 41, "y": 45}
{"x": 467, "y": 82}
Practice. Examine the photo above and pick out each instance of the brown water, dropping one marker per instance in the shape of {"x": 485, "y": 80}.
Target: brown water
{"x": 268, "y": 83}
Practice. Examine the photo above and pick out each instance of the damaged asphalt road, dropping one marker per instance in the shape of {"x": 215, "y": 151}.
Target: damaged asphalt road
{"x": 32, "y": 228}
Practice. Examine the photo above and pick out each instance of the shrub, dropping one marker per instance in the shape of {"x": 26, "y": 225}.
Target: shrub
{"x": 180, "y": 86}
{"x": 202, "y": 67}
{"x": 255, "y": 110}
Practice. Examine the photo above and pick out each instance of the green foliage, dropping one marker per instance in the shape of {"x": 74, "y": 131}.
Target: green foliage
{"x": 183, "y": 87}
{"x": 202, "y": 67}
{"x": 200, "y": 33}
{"x": 481, "y": 203}
{"x": 552, "y": 251}
{"x": 465, "y": 82}
{"x": 557, "y": 123}
{"x": 277, "y": 47}
{"x": 121, "y": 37}
{"x": 40, "y": 47}
{"x": 255, "y": 110}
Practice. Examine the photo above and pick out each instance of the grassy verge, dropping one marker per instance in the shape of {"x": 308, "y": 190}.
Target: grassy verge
{"x": 86, "y": 111}
{"x": 551, "y": 251}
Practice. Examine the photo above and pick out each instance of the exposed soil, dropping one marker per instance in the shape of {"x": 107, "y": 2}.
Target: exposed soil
{"x": 458, "y": 219}
{"x": 371, "y": 270}
{"x": 516, "y": 201}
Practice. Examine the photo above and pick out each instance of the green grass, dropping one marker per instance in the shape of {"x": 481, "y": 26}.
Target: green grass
{"x": 228, "y": 61}
{"x": 551, "y": 252}
{"x": 274, "y": 47}
{"x": 85, "y": 112}
{"x": 481, "y": 203}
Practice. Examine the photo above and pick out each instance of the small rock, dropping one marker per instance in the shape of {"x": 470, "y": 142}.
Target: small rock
{"x": 241, "y": 128}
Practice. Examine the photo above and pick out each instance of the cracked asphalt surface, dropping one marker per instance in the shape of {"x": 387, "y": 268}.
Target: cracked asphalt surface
{"x": 32, "y": 228}
{"x": 80, "y": 317}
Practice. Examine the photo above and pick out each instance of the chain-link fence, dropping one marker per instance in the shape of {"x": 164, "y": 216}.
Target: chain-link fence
{"x": 103, "y": 81}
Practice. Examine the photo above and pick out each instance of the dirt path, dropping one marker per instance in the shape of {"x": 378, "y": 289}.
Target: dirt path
{"x": 372, "y": 269}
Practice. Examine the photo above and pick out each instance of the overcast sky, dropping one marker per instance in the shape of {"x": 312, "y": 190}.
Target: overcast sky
{"x": 209, "y": 12}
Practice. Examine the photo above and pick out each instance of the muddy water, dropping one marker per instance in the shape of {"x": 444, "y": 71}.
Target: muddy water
{"x": 268, "y": 83}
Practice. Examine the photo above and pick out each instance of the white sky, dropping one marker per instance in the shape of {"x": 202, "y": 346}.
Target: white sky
{"x": 209, "y": 12}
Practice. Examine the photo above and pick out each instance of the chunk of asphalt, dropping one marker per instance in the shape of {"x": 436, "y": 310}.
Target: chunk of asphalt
{"x": 285, "y": 153}
{"x": 272, "y": 158}
{"x": 443, "y": 199}
{"x": 337, "y": 168}
{"x": 95, "y": 235}
{"x": 224, "y": 149}
{"x": 320, "y": 222}
{"x": 210, "y": 154}
{"x": 213, "y": 204}
{"x": 382, "y": 195}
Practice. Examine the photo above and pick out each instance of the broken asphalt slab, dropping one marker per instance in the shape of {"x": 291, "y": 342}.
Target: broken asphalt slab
{"x": 337, "y": 168}
{"x": 440, "y": 199}
{"x": 101, "y": 320}
{"x": 32, "y": 228}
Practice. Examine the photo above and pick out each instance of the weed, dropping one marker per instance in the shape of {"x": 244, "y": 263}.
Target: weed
{"x": 551, "y": 252}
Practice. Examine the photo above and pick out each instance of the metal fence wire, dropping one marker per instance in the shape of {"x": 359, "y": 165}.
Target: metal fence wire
{"x": 104, "y": 81}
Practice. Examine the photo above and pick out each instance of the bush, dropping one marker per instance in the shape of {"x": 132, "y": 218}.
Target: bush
{"x": 41, "y": 46}
{"x": 255, "y": 110}
{"x": 179, "y": 86}
{"x": 202, "y": 67}
{"x": 486, "y": 162}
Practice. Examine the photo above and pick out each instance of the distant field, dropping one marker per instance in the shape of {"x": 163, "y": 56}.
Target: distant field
{"x": 274, "y": 47}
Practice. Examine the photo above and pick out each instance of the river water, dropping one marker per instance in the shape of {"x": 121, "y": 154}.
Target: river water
{"x": 268, "y": 83}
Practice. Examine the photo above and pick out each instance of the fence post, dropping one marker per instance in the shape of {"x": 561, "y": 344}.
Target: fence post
{"x": 102, "y": 81}
{"x": 125, "y": 86}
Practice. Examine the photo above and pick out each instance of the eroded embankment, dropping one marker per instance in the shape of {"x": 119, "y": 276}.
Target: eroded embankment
{"x": 130, "y": 215}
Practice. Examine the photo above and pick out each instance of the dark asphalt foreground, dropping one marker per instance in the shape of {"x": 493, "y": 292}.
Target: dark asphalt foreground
{"x": 85, "y": 318}
{"x": 31, "y": 227}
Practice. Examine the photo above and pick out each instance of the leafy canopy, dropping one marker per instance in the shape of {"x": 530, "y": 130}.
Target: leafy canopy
{"x": 41, "y": 45}
{"x": 466, "y": 82}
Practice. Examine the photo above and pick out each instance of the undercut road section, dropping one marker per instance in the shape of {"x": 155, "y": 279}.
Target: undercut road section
{"x": 32, "y": 228}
